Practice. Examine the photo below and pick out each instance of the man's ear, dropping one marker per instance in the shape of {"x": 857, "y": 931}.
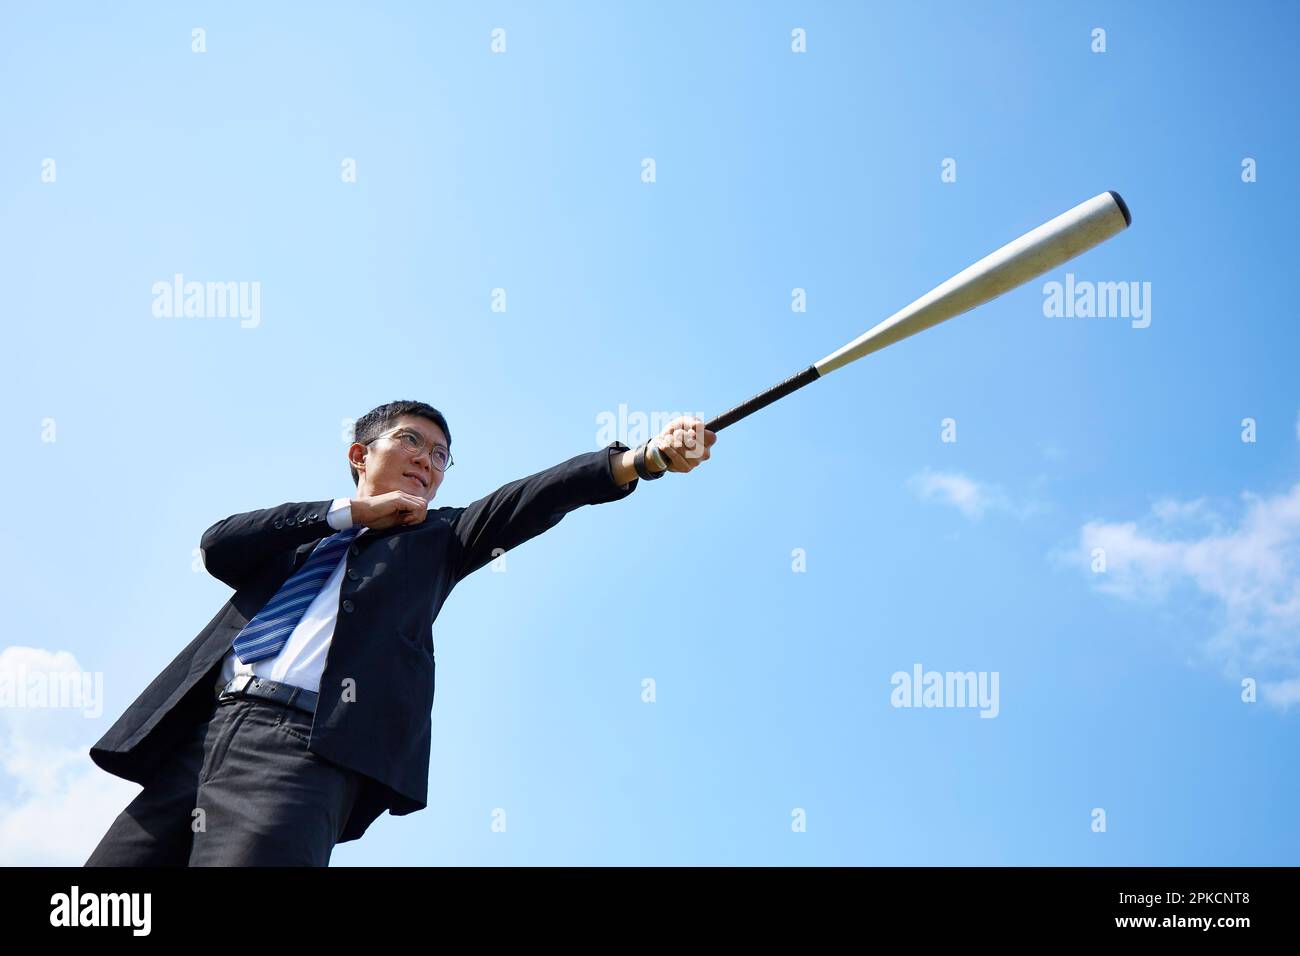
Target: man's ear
{"x": 357, "y": 460}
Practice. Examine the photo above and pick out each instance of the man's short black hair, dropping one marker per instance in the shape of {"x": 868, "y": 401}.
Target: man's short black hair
{"x": 379, "y": 420}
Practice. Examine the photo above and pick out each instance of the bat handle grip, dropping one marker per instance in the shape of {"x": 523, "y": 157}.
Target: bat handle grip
{"x": 733, "y": 415}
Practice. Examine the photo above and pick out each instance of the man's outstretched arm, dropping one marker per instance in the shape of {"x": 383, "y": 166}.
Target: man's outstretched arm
{"x": 525, "y": 508}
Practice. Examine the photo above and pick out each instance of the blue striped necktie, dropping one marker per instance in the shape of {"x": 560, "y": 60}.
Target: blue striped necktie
{"x": 270, "y": 628}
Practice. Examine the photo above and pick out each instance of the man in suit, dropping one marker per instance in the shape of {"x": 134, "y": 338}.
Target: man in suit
{"x": 302, "y": 710}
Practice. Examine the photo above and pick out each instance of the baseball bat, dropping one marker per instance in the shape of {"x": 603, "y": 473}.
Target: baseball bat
{"x": 1040, "y": 250}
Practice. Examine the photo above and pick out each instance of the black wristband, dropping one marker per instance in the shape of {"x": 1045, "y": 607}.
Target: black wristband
{"x": 638, "y": 462}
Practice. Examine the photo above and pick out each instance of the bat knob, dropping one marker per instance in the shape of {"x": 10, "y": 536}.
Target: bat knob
{"x": 1123, "y": 207}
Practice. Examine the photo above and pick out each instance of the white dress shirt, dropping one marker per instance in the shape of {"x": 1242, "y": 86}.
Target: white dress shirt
{"x": 302, "y": 659}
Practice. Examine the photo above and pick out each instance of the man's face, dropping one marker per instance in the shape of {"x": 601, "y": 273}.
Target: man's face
{"x": 386, "y": 464}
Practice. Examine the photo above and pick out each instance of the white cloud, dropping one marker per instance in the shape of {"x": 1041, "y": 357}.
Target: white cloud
{"x": 55, "y": 804}
{"x": 1169, "y": 510}
{"x": 972, "y": 498}
{"x": 1244, "y": 571}
{"x": 1283, "y": 693}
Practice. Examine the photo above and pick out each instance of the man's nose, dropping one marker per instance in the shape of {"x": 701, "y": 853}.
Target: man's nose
{"x": 427, "y": 459}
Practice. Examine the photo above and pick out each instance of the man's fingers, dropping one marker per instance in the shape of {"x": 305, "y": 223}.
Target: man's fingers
{"x": 675, "y": 460}
{"x": 688, "y": 440}
{"x": 418, "y": 507}
{"x": 409, "y": 508}
{"x": 684, "y": 443}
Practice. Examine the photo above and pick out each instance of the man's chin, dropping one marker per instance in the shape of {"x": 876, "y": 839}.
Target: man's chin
{"x": 415, "y": 485}
{"x": 410, "y": 487}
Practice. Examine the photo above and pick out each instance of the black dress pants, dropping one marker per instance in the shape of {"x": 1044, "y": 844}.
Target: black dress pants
{"x": 265, "y": 799}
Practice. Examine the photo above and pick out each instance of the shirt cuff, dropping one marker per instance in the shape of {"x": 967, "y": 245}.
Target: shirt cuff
{"x": 340, "y": 514}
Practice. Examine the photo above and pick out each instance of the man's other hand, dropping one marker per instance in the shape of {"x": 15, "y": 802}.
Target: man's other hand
{"x": 378, "y": 512}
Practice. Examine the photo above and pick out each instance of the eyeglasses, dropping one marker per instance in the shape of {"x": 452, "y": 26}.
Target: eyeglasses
{"x": 417, "y": 445}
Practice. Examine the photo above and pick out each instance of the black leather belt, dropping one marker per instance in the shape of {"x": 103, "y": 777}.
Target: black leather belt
{"x": 259, "y": 688}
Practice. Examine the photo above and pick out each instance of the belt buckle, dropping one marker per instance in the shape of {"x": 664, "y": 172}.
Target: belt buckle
{"x": 235, "y": 686}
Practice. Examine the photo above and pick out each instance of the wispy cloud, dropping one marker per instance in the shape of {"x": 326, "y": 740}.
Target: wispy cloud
{"x": 1243, "y": 568}
{"x": 972, "y": 498}
{"x": 55, "y": 803}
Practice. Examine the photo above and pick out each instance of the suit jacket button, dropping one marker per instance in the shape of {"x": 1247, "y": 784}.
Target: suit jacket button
{"x": 347, "y": 606}
{"x": 279, "y": 523}
{"x": 312, "y": 516}
{"x": 353, "y": 574}
{"x": 354, "y": 550}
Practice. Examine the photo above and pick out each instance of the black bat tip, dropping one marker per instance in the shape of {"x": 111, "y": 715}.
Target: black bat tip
{"x": 1123, "y": 207}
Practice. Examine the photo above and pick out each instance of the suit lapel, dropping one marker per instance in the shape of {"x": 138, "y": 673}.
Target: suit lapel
{"x": 373, "y": 535}
{"x": 304, "y": 550}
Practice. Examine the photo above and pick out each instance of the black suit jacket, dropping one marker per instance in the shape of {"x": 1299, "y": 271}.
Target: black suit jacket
{"x": 395, "y": 583}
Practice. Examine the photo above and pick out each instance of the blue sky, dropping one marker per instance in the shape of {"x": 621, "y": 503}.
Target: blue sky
{"x": 774, "y": 170}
